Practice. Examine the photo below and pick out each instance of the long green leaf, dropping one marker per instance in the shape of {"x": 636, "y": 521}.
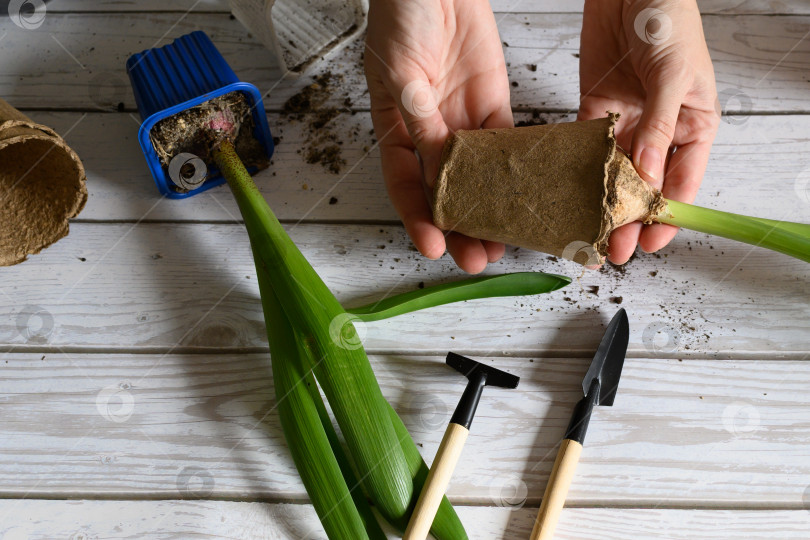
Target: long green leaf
{"x": 446, "y": 525}
{"x": 373, "y": 528}
{"x": 332, "y": 339}
{"x": 516, "y": 284}
{"x": 303, "y": 430}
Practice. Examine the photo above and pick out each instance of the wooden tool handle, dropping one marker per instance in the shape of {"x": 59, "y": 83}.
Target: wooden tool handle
{"x": 556, "y": 490}
{"x": 436, "y": 483}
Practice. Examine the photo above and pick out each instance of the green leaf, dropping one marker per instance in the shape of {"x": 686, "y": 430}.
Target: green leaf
{"x": 341, "y": 366}
{"x": 515, "y": 284}
{"x": 303, "y": 430}
{"x": 783, "y": 236}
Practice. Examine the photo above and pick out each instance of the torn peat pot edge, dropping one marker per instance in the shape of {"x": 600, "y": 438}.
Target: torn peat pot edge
{"x": 313, "y": 342}
{"x": 599, "y": 388}
{"x": 563, "y": 188}
{"x": 42, "y": 186}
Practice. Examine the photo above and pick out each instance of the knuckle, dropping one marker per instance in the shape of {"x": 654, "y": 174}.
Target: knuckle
{"x": 661, "y": 127}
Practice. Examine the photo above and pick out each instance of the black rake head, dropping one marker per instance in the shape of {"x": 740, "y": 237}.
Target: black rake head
{"x": 472, "y": 369}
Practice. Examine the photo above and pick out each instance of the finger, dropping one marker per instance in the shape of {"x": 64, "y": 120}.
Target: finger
{"x": 683, "y": 178}
{"x": 404, "y": 182}
{"x": 593, "y": 107}
{"x": 501, "y": 118}
{"x": 468, "y": 253}
{"x": 622, "y": 242}
{"x": 656, "y": 127}
{"x": 403, "y": 178}
{"x": 495, "y": 250}
{"x": 418, "y": 103}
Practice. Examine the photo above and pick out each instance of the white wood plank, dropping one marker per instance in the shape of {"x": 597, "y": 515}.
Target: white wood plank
{"x": 159, "y": 286}
{"x": 760, "y": 165}
{"x": 725, "y": 7}
{"x": 518, "y": 6}
{"x": 121, "y": 187}
{"x": 222, "y": 519}
{"x": 63, "y": 65}
{"x": 696, "y": 433}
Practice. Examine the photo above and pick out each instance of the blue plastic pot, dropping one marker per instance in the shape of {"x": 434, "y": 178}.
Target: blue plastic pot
{"x": 185, "y": 73}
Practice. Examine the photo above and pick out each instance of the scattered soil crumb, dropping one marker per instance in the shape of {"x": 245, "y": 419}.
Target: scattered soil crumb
{"x": 593, "y": 289}
{"x": 421, "y": 285}
{"x": 333, "y": 200}
{"x": 322, "y": 142}
{"x": 616, "y": 299}
{"x": 654, "y": 273}
{"x": 536, "y": 120}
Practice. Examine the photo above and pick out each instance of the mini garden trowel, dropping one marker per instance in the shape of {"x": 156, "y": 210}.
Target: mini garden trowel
{"x": 599, "y": 385}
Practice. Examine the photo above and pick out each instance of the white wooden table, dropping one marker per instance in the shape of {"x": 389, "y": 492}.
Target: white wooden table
{"x": 136, "y": 398}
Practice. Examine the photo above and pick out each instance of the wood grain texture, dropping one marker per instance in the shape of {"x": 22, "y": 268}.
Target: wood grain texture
{"x": 727, "y": 7}
{"x": 762, "y": 59}
{"x": 760, "y": 165}
{"x": 696, "y": 433}
{"x": 441, "y": 471}
{"x": 559, "y": 481}
{"x": 136, "y": 520}
{"x": 169, "y": 286}
{"x": 102, "y": 397}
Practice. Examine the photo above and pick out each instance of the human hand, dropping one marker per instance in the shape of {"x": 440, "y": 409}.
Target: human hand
{"x": 432, "y": 67}
{"x": 647, "y": 59}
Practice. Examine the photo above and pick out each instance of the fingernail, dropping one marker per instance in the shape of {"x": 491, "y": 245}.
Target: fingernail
{"x": 650, "y": 162}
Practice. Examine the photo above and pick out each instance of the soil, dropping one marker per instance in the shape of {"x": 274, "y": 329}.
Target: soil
{"x": 536, "y": 120}
{"x": 322, "y": 143}
{"x": 190, "y": 131}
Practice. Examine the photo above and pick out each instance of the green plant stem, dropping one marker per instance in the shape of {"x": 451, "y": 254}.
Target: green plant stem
{"x": 516, "y": 284}
{"x": 783, "y": 236}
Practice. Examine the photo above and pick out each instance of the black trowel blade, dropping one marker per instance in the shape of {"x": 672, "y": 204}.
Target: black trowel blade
{"x": 606, "y": 366}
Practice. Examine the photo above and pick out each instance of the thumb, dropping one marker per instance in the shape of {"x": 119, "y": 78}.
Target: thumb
{"x": 655, "y": 130}
{"x": 419, "y": 107}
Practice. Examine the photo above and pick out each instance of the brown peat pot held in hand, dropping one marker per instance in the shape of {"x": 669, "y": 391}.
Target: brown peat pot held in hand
{"x": 42, "y": 186}
{"x": 557, "y": 188}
